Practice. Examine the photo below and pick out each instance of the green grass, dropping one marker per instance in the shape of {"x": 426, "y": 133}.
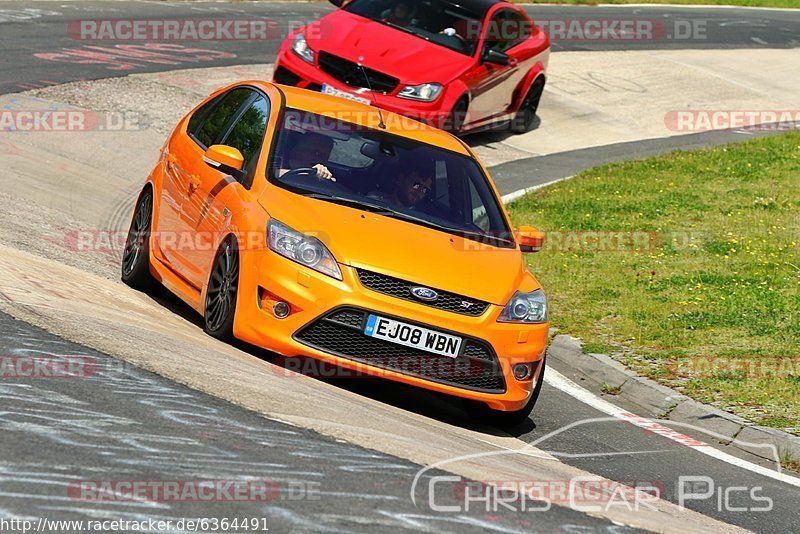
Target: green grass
{"x": 608, "y": 389}
{"x": 788, "y": 461}
{"x": 709, "y": 268}
{"x": 747, "y": 3}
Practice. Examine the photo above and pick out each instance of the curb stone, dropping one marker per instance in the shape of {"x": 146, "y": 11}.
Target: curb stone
{"x": 654, "y": 400}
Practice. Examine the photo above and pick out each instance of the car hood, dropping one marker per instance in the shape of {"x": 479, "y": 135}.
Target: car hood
{"x": 402, "y": 249}
{"x": 411, "y": 59}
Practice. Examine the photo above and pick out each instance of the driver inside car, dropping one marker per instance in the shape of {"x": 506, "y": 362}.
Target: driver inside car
{"x": 311, "y": 151}
{"x": 399, "y": 15}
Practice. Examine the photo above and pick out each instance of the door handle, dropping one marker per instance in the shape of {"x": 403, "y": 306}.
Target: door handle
{"x": 194, "y": 183}
{"x": 513, "y": 61}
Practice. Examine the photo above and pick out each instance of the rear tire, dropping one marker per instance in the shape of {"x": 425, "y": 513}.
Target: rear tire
{"x": 523, "y": 121}
{"x": 222, "y": 291}
{"x": 136, "y": 254}
{"x": 480, "y": 412}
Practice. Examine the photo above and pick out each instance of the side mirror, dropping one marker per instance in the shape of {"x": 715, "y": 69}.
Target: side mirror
{"x": 337, "y": 3}
{"x": 493, "y": 56}
{"x": 225, "y": 159}
{"x": 530, "y": 239}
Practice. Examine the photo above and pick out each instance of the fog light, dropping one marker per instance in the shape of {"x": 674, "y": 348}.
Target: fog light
{"x": 522, "y": 371}
{"x": 281, "y": 309}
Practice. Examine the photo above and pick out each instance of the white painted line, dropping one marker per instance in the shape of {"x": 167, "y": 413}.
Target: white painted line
{"x": 562, "y": 383}
{"x": 511, "y": 197}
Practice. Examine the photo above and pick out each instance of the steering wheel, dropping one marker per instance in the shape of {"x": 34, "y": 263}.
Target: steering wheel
{"x": 460, "y": 38}
{"x": 301, "y": 171}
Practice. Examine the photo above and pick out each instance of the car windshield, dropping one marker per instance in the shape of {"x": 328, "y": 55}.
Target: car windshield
{"x": 437, "y": 21}
{"x": 390, "y": 175}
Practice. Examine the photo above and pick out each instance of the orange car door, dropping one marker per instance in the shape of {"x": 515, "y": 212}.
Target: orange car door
{"x": 210, "y": 207}
{"x": 174, "y": 186}
{"x": 185, "y": 170}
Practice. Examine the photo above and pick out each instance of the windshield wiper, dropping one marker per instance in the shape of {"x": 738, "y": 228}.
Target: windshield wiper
{"x": 389, "y": 212}
{"x": 375, "y": 208}
{"x": 404, "y": 29}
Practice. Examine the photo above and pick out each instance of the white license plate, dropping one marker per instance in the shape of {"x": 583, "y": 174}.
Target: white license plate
{"x": 412, "y": 336}
{"x": 328, "y": 90}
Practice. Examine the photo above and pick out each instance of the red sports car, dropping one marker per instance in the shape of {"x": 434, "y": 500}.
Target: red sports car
{"x": 461, "y": 65}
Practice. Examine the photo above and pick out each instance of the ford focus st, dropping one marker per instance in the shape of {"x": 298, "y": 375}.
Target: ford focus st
{"x": 459, "y": 65}
{"x": 317, "y": 227}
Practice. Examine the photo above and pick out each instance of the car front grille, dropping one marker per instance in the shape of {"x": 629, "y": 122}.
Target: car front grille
{"x": 396, "y": 287}
{"x": 285, "y": 76}
{"x": 341, "y": 333}
{"x": 351, "y": 74}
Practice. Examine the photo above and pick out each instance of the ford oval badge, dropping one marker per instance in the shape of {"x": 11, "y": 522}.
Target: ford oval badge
{"x": 424, "y": 293}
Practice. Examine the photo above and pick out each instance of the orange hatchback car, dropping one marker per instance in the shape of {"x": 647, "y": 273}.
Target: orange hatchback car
{"x": 315, "y": 226}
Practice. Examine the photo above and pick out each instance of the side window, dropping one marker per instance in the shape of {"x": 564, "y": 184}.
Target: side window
{"x": 506, "y": 29}
{"x": 248, "y": 133}
{"x": 201, "y": 114}
{"x": 519, "y": 28}
{"x": 213, "y": 127}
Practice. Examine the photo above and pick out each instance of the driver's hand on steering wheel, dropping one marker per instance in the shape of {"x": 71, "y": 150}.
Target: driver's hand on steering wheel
{"x": 323, "y": 173}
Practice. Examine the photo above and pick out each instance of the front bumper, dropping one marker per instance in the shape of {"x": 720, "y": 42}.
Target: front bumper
{"x": 291, "y": 70}
{"x": 341, "y": 333}
{"x": 482, "y": 371}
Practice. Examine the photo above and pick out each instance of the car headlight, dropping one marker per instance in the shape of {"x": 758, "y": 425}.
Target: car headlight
{"x": 300, "y": 47}
{"x": 427, "y": 92}
{"x": 525, "y": 308}
{"x": 303, "y": 249}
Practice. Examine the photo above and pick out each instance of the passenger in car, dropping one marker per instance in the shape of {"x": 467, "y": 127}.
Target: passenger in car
{"x": 411, "y": 185}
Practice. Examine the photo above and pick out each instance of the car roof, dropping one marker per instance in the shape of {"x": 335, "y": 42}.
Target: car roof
{"x": 365, "y": 115}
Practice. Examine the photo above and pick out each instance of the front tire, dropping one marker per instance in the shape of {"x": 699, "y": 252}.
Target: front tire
{"x": 482, "y": 413}
{"x": 455, "y": 121}
{"x": 222, "y": 291}
{"x": 136, "y": 254}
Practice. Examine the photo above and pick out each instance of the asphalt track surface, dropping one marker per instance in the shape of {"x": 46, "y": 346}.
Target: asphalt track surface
{"x": 135, "y": 425}
{"x": 120, "y": 423}
{"x": 39, "y": 49}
